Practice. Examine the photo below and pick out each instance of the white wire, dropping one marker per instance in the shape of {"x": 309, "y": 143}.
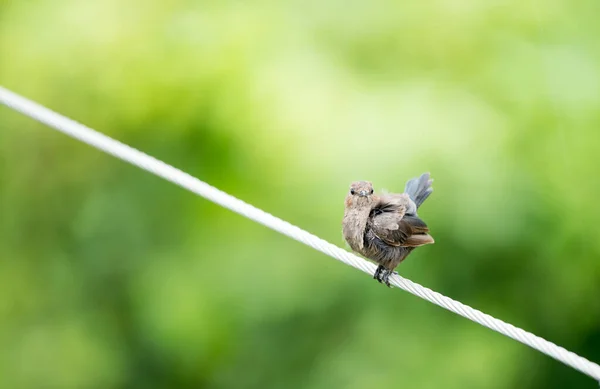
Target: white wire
{"x": 176, "y": 176}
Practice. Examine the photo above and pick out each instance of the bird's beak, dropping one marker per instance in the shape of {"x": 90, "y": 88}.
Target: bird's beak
{"x": 363, "y": 193}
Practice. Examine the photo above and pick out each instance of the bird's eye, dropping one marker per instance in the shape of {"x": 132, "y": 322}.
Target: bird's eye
{"x": 371, "y": 190}
{"x": 351, "y": 191}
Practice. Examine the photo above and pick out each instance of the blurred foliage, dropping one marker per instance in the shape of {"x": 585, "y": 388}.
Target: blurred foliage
{"x": 113, "y": 278}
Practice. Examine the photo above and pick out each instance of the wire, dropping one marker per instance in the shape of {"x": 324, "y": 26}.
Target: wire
{"x": 176, "y": 176}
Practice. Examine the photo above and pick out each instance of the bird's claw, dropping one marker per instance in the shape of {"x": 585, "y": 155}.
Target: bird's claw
{"x": 377, "y": 273}
{"x": 382, "y": 275}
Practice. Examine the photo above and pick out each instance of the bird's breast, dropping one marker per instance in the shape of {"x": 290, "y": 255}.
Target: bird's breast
{"x": 354, "y": 225}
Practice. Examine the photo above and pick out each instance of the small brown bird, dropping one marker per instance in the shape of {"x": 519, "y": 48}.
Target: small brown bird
{"x": 386, "y": 228}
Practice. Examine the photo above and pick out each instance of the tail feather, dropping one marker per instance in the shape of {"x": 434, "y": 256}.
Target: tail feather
{"x": 419, "y": 188}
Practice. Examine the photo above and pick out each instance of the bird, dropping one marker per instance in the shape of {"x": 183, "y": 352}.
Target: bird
{"x": 386, "y": 228}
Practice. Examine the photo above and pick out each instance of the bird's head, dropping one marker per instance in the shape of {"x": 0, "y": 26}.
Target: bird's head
{"x": 360, "y": 194}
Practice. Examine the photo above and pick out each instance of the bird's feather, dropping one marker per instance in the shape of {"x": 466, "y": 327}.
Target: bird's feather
{"x": 399, "y": 229}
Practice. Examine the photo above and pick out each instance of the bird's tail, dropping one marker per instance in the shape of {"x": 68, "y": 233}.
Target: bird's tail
{"x": 419, "y": 188}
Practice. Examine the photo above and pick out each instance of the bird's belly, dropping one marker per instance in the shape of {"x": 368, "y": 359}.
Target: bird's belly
{"x": 382, "y": 253}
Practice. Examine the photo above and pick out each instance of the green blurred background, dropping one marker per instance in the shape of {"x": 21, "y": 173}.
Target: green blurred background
{"x": 113, "y": 278}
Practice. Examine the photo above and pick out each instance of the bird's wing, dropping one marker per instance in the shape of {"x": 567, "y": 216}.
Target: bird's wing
{"x": 399, "y": 229}
{"x": 397, "y": 201}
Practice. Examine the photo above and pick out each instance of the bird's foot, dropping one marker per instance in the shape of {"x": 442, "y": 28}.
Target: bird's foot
{"x": 378, "y": 273}
{"x": 382, "y": 275}
{"x": 386, "y": 278}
